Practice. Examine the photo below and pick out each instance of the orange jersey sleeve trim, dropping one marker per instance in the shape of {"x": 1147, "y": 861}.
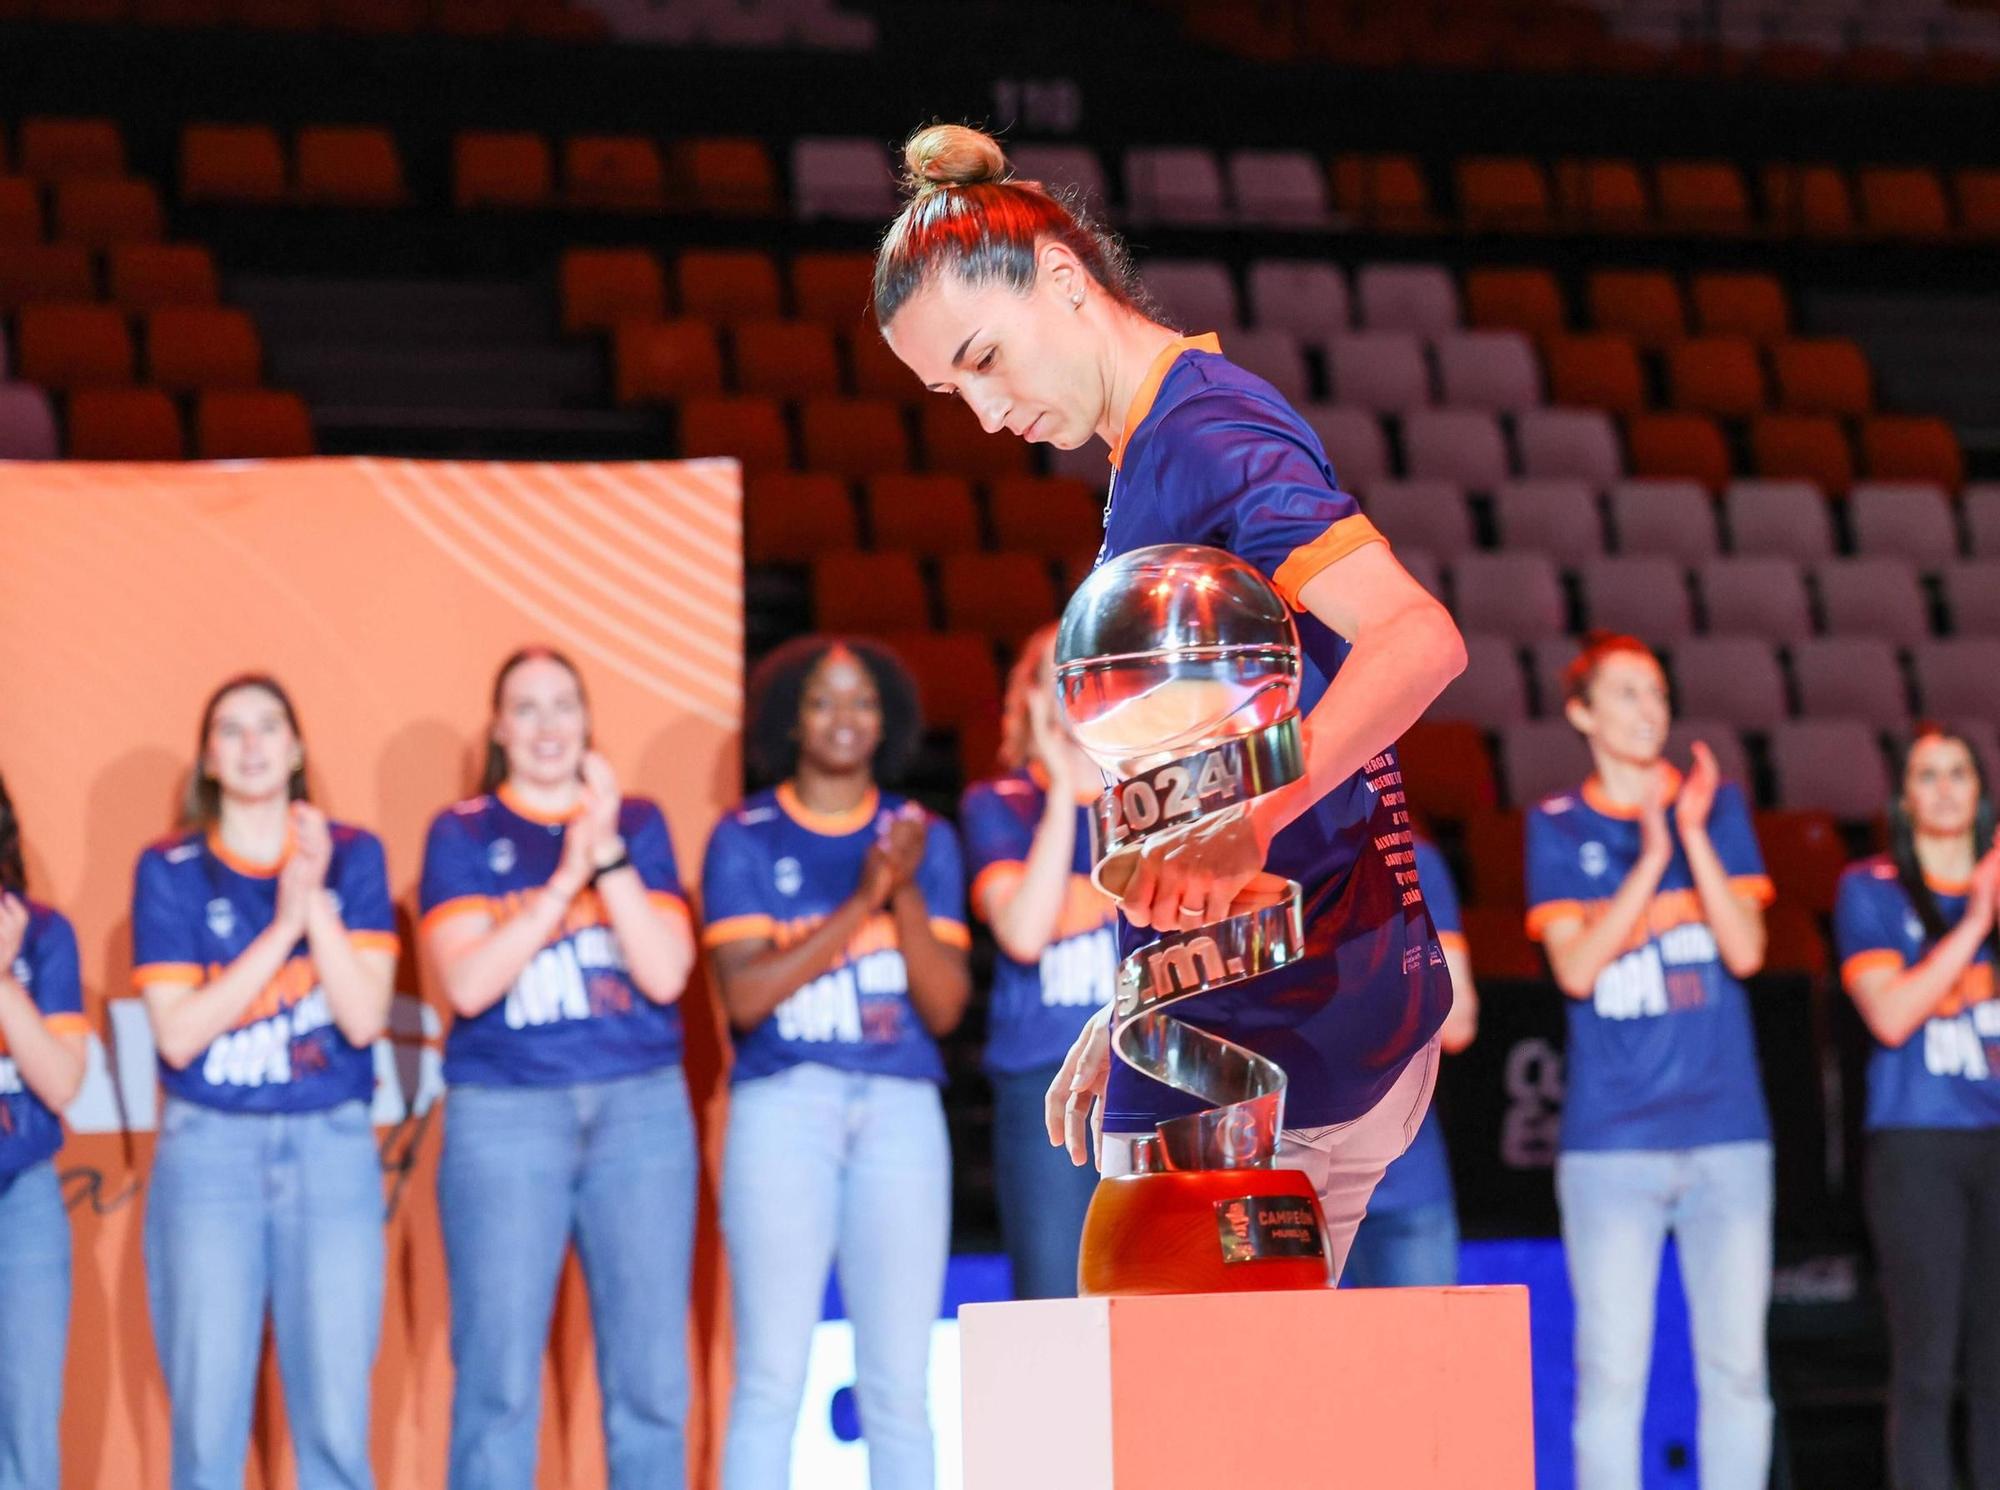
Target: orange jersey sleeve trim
{"x": 148, "y": 974}
{"x": 951, "y": 933}
{"x": 999, "y": 872}
{"x": 66, "y": 1023}
{"x": 1880, "y": 959}
{"x": 1756, "y": 887}
{"x": 451, "y": 910}
{"x": 1454, "y": 941}
{"x": 1308, "y": 559}
{"x": 738, "y": 929}
{"x": 1540, "y": 916}
{"x": 671, "y": 904}
{"x": 375, "y": 941}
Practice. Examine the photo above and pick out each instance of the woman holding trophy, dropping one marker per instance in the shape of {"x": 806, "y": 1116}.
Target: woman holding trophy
{"x": 993, "y": 291}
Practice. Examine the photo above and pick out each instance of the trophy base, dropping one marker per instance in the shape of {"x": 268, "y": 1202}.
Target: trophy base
{"x": 1203, "y": 1231}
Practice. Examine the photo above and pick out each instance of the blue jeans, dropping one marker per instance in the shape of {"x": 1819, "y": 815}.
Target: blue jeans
{"x": 1043, "y": 1197}
{"x": 825, "y": 1165}
{"x": 253, "y": 1211}
{"x": 34, "y": 1305}
{"x": 1413, "y": 1248}
{"x": 524, "y": 1169}
{"x": 1617, "y": 1209}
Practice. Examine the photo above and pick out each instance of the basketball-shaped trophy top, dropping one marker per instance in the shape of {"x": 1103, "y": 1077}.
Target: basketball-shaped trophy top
{"x": 1170, "y": 649}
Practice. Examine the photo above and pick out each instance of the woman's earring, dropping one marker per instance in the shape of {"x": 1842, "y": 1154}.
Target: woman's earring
{"x": 1076, "y": 301}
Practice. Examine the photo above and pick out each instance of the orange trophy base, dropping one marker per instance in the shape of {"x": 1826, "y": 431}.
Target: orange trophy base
{"x": 1203, "y": 1231}
{"x": 1359, "y": 1389}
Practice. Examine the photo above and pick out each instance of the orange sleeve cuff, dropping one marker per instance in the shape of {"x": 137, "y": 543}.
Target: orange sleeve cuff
{"x": 738, "y": 929}
{"x": 999, "y": 871}
{"x": 66, "y": 1023}
{"x": 375, "y": 941}
{"x": 147, "y": 974}
{"x": 1540, "y": 916}
{"x": 1879, "y": 958}
{"x": 951, "y": 933}
{"x": 1757, "y": 887}
{"x": 1453, "y": 941}
{"x": 1308, "y": 559}
{"x": 451, "y": 910}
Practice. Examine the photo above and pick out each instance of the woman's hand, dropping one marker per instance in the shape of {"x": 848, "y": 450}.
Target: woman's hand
{"x": 1982, "y": 900}
{"x": 1073, "y": 1110}
{"x": 1050, "y": 743}
{"x": 579, "y": 852}
{"x": 1188, "y": 876}
{"x": 601, "y": 802}
{"x": 892, "y": 859}
{"x": 1656, "y": 843}
{"x": 1697, "y": 794}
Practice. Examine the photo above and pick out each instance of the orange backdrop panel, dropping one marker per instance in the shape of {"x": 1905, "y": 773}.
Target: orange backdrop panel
{"x": 383, "y": 594}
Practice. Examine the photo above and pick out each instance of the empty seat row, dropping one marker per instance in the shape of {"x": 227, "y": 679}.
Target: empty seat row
{"x": 601, "y": 287}
{"x": 145, "y": 424}
{"x": 851, "y": 437}
{"x": 1787, "y": 518}
{"x": 1745, "y": 681}
{"x": 518, "y": 169}
{"x": 1522, "y": 596}
{"x": 791, "y": 518}
{"x": 91, "y": 212}
{"x": 1000, "y": 596}
{"x": 135, "y": 277}
{"x": 187, "y": 347}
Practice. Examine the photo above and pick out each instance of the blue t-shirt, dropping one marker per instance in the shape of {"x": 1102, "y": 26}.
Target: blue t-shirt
{"x": 195, "y": 908}
{"x": 1422, "y": 1177}
{"x": 573, "y": 1013}
{"x": 45, "y": 967}
{"x": 1947, "y": 1074}
{"x": 1037, "y": 1008}
{"x": 775, "y": 870}
{"x": 1214, "y": 455}
{"x": 1662, "y": 1054}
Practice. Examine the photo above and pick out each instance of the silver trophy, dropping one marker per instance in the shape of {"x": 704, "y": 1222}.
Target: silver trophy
{"x": 1177, "y": 669}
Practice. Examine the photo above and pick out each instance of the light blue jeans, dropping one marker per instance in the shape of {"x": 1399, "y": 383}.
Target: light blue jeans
{"x": 524, "y": 1169}
{"x": 825, "y": 1166}
{"x": 1617, "y": 1209}
{"x": 253, "y": 1211}
{"x": 1416, "y": 1247}
{"x": 34, "y": 1326}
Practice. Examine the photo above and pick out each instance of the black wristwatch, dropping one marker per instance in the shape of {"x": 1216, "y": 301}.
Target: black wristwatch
{"x": 623, "y": 861}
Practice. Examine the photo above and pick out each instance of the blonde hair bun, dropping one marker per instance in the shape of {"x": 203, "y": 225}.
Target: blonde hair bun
{"x": 944, "y": 155}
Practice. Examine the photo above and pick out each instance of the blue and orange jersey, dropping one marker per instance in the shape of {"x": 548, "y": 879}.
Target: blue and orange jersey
{"x": 1662, "y": 1054}
{"x": 196, "y": 907}
{"x": 775, "y": 869}
{"x": 46, "y": 970}
{"x": 1037, "y": 1008}
{"x": 1213, "y": 455}
{"x": 1422, "y": 1177}
{"x": 573, "y": 1013}
{"x": 1947, "y": 1074}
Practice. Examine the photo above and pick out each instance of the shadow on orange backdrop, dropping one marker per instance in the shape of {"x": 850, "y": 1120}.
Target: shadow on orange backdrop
{"x": 383, "y": 593}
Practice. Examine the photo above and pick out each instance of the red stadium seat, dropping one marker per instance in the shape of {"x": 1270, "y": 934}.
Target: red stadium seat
{"x": 1642, "y": 304}
{"x": 1447, "y": 769}
{"x": 20, "y": 210}
{"x": 785, "y": 359}
{"x": 1808, "y": 446}
{"x": 1827, "y": 375}
{"x": 1978, "y": 193}
{"x": 1497, "y": 940}
{"x": 664, "y": 361}
{"x": 728, "y": 178}
{"x": 66, "y": 347}
{"x": 928, "y": 516}
{"x": 1386, "y": 192}
{"x": 1716, "y": 375}
{"x": 793, "y": 518}
{"x": 101, "y": 212}
{"x": 1752, "y": 305}
{"x": 1908, "y": 447}
{"x": 50, "y": 149}
{"x": 622, "y": 173}
{"x": 45, "y": 273}
{"x": 957, "y": 683}
{"x": 873, "y": 371}
{"x": 1606, "y": 195}
{"x": 124, "y": 424}
{"x": 348, "y": 167}
{"x": 868, "y": 594}
{"x": 231, "y": 163}
{"x": 1515, "y": 299}
{"x": 1812, "y": 201}
{"x": 853, "y": 436}
{"x": 833, "y": 287}
{"x": 752, "y": 430}
{"x": 1689, "y": 445}
{"x": 492, "y": 168}
{"x": 1003, "y": 597}
{"x": 1904, "y": 202}
{"x": 1496, "y": 850}
{"x": 1507, "y": 194}
{"x": 1052, "y": 517}
{"x": 1702, "y": 196}
{"x": 251, "y": 424}
{"x": 1595, "y": 371}
{"x": 603, "y": 286}
{"x": 728, "y": 286}
{"x": 194, "y": 347}
{"x": 146, "y": 276}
